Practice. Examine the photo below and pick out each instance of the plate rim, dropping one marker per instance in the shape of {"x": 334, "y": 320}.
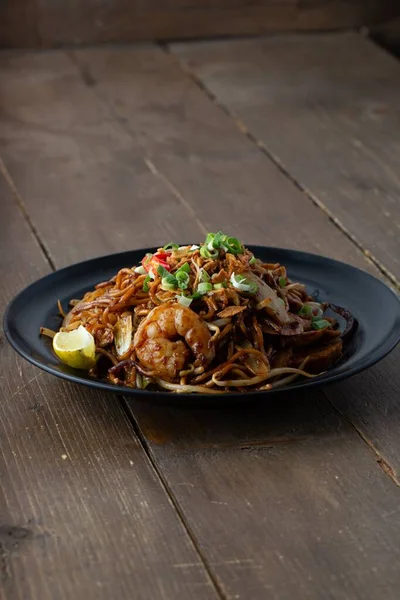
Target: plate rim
{"x": 325, "y": 379}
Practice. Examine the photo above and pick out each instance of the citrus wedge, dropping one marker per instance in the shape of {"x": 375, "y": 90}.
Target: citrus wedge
{"x": 75, "y": 348}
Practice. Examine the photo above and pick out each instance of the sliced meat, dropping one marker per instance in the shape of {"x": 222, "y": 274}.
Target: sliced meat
{"x": 311, "y": 337}
{"x": 282, "y": 358}
{"x": 320, "y": 359}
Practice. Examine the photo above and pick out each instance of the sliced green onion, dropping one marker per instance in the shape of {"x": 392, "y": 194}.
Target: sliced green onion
{"x": 219, "y": 286}
{"x": 242, "y": 284}
{"x": 305, "y": 311}
{"x": 220, "y": 241}
{"x": 185, "y": 300}
{"x": 233, "y": 245}
{"x": 282, "y": 282}
{"x": 253, "y": 260}
{"x": 162, "y": 271}
{"x": 205, "y": 253}
{"x": 194, "y": 296}
{"x": 209, "y": 240}
{"x": 204, "y": 287}
{"x": 320, "y": 323}
{"x": 204, "y": 276}
{"x": 146, "y": 283}
{"x": 185, "y": 268}
{"x": 182, "y": 279}
{"x": 194, "y": 247}
{"x": 169, "y": 283}
{"x": 140, "y": 269}
{"x": 171, "y": 246}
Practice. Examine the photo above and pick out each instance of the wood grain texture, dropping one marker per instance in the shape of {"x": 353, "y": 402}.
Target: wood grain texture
{"x": 284, "y": 498}
{"x": 82, "y": 513}
{"x": 328, "y": 109}
{"x": 45, "y": 23}
{"x": 371, "y": 402}
{"x": 197, "y": 149}
{"x": 82, "y": 162}
{"x": 141, "y": 156}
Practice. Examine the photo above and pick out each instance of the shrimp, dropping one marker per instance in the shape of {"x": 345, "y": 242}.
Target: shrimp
{"x": 157, "y": 342}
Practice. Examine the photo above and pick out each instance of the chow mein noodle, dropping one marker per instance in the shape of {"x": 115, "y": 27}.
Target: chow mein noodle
{"x": 209, "y": 319}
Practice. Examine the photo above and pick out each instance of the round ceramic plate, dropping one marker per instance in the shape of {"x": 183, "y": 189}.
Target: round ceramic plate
{"x": 374, "y": 305}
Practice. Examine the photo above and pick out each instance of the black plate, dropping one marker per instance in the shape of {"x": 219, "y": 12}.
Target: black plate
{"x": 375, "y": 306}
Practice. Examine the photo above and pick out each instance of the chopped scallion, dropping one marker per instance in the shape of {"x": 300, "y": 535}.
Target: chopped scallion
{"x": 206, "y": 253}
{"x": 185, "y": 268}
{"x": 185, "y": 300}
{"x": 204, "y": 287}
{"x": 320, "y": 323}
{"x": 146, "y": 283}
{"x": 162, "y": 271}
{"x": 305, "y": 311}
{"x": 204, "y": 276}
{"x": 220, "y": 241}
{"x": 182, "y": 278}
{"x": 242, "y": 284}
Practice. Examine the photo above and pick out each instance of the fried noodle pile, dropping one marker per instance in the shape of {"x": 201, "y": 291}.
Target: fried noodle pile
{"x": 210, "y": 319}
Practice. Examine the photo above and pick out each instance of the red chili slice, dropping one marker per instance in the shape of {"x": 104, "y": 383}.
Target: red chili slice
{"x": 151, "y": 263}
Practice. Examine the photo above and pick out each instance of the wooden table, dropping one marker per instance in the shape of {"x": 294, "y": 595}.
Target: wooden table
{"x": 289, "y": 141}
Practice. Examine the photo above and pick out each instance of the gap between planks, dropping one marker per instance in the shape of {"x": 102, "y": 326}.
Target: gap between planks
{"x": 22, "y": 207}
{"x": 169, "y": 492}
{"x": 88, "y": 80}
{"x": 381, "y": 461}
{"x": 369, "y": 257}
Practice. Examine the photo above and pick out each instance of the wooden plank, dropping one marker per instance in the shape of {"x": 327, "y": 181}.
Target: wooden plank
{"x": 46, "y": 23}
{"x": 83, "y": 162}
{"x": 144, "y": 156}
{"x": 281, "y": 497}
{"x": 82, "y": 513}
{"x": 18, "y": 24}
{"x": 327, "y": 109}
{"x": 197, "y": 150}
{"x": 371, "y": 402}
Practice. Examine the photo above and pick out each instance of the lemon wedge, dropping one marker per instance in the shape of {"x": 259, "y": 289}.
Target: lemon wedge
{"x": 75, "y": 348}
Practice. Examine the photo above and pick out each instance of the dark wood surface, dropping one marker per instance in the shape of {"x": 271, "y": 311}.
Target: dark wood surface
{"x": 83, "y": 513}
{"x": 388, "y": 34}
{"x": 45, "y": 23}
{"x": 109, "y": 149}
{"x": 325, "y": 108}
